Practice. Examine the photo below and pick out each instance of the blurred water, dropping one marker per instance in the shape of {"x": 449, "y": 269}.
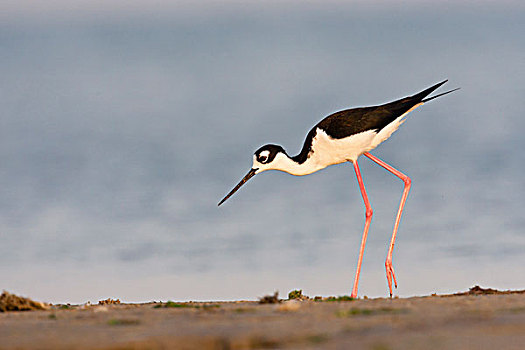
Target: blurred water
{"x": 119, "y": 136}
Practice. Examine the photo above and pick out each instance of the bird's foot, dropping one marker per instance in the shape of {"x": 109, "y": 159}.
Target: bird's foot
{"x": 390, "y": 275}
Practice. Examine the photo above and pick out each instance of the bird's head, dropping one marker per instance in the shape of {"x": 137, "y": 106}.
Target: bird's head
{"x": 267, "y": 157}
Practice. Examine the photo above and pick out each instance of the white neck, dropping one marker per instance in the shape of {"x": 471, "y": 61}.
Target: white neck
{"x": 284, "y": 163}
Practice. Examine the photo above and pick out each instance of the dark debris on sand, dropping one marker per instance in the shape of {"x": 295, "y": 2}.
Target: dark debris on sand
{"x": 270, "y": 299}
{"x": 11, "y": 302}
{"x": 477, "y": 290}
{"x": 109, "y": 301}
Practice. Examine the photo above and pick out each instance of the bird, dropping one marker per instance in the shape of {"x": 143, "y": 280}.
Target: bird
{"x": 343, "y": 137}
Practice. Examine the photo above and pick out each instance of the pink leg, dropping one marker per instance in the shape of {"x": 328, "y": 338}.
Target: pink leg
{"x": 388, "y": 263}
{"x": 368, "y": 219}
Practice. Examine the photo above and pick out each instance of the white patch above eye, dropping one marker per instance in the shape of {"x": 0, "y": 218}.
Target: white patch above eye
{"x": 264, "y": 154}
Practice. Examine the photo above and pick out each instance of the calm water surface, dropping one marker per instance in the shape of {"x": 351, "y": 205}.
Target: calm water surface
{"x": 119, "y": 136}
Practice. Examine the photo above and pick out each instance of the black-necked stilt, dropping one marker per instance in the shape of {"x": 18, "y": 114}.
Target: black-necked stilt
{"x": 343, "y": 137}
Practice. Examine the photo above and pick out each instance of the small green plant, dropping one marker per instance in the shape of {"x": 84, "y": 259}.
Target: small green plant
{"x": 172, "y": 304}
{"x": 123, "y": 322}
{"x": 369, "y": 312}
{"x": 296, "y": 294}
{"x": 514, "y": 310}
{"x": 241, "y": 310}
{"x": 340, "y": 298}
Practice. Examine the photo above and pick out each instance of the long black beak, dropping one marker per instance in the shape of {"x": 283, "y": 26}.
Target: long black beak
{"x": 248, "y": 176}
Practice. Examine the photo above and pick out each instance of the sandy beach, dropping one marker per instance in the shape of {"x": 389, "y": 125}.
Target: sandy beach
{"x": 479, "y": 319}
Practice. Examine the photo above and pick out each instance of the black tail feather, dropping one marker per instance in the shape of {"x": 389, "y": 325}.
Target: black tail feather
{"x": 444, "y": 93}
{"x": 421, "y": 95}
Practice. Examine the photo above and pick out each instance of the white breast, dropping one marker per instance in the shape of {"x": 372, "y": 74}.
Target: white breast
{"x": 327, "y": 151}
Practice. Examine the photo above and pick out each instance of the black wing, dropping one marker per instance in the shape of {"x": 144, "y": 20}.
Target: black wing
{"x": 353, "y": 121}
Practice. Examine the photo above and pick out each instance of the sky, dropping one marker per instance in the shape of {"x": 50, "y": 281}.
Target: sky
{"x": 60, "y": 9}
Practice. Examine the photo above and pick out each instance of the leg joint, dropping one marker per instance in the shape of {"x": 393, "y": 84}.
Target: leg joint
{"x": 407, "y": 181}
{"x": 369, "y": 212}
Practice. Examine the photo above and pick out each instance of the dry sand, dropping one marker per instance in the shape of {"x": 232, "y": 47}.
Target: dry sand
{"x": 479, "y": 319}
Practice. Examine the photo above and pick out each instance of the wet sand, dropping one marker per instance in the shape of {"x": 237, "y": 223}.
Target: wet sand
{"x": 469, "y": 321}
